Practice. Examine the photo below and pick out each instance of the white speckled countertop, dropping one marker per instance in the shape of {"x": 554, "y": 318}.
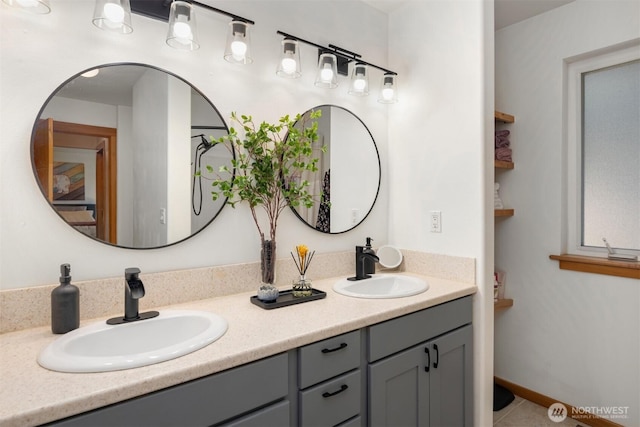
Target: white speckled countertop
{"x": 31, "y": 395}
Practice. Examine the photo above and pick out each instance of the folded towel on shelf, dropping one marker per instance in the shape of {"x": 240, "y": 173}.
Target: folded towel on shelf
{"x": 503, "y": 154}
{"x": 502, "y": 138}
{"x": 502, "y": 141}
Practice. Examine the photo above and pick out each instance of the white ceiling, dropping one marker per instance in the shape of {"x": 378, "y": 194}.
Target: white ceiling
{"x": 507, "y": 12}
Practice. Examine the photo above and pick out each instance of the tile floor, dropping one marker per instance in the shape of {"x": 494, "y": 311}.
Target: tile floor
{"x": 522, "y": 413}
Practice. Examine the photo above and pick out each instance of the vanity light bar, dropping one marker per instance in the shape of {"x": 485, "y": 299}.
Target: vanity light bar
{"x": 334, "y": 60}
{"x": 182, "y": 26}
{"x": 159, "y": 9}
{"x": 344, "y": 56}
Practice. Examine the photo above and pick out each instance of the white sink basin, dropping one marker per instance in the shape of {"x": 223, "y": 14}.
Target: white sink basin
{"x": 381, "y": 286}
{"x": 100, "y": 347}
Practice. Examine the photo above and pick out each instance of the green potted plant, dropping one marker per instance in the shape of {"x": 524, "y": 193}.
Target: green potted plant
{"x": 268, "y": 163}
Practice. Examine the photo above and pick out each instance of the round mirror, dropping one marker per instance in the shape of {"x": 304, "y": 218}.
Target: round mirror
{"x": 347, "y": 181}
{"x": 115, "y": 150}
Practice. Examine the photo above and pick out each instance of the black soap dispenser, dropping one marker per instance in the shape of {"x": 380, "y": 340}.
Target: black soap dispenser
{"x": 65, "y": 304}
{"x": 369, "y": 264}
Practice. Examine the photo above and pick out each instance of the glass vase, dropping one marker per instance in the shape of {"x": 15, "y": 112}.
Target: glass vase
{"x": 302, "y": 287}
{"x": 267, "y": 291}
{"x": 268, "y": 262}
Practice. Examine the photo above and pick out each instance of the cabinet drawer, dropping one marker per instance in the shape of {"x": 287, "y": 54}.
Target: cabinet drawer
{"x": 274, "y": 415}
{"x": 328, "y": 358}
{"x": 353, "y": 422}
{"x": 403, "y": 332}
{"x": 332, "y": 402}
{"x": 202, "y": 402}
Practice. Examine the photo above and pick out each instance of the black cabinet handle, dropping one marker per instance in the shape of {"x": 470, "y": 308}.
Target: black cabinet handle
{"x": 435, "y": 364}
{"x": 331, "y": 350}
{"x": 343, "y": 387}
{"x": 426, "y": 367}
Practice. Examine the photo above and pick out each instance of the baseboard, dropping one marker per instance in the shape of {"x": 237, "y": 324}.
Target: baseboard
{"x": 546, "y": 401}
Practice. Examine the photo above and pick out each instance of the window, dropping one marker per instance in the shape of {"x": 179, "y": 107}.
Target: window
{"x": 603, "y": 140}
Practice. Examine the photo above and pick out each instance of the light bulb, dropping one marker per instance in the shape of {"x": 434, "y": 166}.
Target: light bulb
{"x": 114, "y": 13}
{"x": 326, "y": 75}
{"x": 387, "y": 93}
{"x": 238, "y": 50}
{"x": 289, "y": 65}
{"x": 182, "y": 30}
{"x": 359, "y": 84}
{"x": 91, "y": 73}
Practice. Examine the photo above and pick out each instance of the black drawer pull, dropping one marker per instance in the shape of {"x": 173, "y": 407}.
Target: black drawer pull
{"x": 331, "y": 350}
{"x": 435, "y": 364}
{"x": 343, "y": 387}
{"x": 426, "y": 367}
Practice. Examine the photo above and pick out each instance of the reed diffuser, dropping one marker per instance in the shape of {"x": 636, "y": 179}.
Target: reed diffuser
{"x": 302, "y": 260}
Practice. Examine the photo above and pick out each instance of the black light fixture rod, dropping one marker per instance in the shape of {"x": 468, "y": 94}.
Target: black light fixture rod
{"x": 222, "y": 12}
{"x": 348, "y": 52}
{"x": 360, "y": 61}
{"x": 338, "y": 51}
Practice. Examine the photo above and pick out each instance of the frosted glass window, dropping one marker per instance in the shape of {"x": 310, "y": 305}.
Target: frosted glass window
{"x": 611, "y": 156}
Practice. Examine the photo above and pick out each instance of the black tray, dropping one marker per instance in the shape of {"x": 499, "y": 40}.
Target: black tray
{"x": 286, "y": 298}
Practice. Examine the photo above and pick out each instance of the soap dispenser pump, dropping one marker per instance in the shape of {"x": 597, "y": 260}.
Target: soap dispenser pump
{"x": 369, "y": 264}
{"x": 65, "y": 304}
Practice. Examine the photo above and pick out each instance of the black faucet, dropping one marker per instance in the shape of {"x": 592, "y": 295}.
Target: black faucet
{"x": 362, "y": 255}
{"x": 133, "y": 291}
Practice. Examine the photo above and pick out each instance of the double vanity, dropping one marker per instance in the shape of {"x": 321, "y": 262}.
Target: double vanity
{"x": 357, "y": 361}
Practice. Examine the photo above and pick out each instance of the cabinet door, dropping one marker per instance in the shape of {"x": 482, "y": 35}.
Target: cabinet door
{"x": 399, "y": 389}
{"x": 451, "y": 378}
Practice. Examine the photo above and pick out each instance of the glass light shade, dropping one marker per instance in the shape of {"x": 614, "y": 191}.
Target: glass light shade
{"x": 289, "y": 65}
{"x": 113, "y": 15}
{"x": 182, "y": 27}
{"x": 327, "y": 76}
{"x": 238, "y": 49}
{"x": 34, "y": 6}
{"x": 359, "y": 80}
{"x": 388, "y": 89}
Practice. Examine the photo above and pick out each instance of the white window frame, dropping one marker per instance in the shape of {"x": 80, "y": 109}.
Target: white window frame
{"x": 574, "y": 70}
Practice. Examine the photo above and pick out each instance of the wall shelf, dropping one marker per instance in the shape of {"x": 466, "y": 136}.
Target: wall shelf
{"x": 504, "y": 117}
{"x": 504, "y": 212}
{"x": 501, "y": 164}
{"x": 502, "y": 303}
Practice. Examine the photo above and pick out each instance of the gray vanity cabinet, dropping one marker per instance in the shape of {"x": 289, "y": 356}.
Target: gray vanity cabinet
{"x": 427, "y": 384}
{"x": 413, "y": 370}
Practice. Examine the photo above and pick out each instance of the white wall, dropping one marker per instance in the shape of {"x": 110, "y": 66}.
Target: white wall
{"x": 151, "y": 123}
{"x": 572, "y": 336}
{"x": 440, "y": 155}
{"x": 35, "y": 241}
{"x": 179, "y": 174}
{"x": 125, "y": 175}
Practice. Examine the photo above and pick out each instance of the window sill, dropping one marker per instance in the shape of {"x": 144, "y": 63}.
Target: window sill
{"x": 630, "y": 269}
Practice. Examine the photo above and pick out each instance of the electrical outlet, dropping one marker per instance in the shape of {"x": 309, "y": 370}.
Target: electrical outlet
{"x": 355, "y": 213}
{"x": 435, "y": 225}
